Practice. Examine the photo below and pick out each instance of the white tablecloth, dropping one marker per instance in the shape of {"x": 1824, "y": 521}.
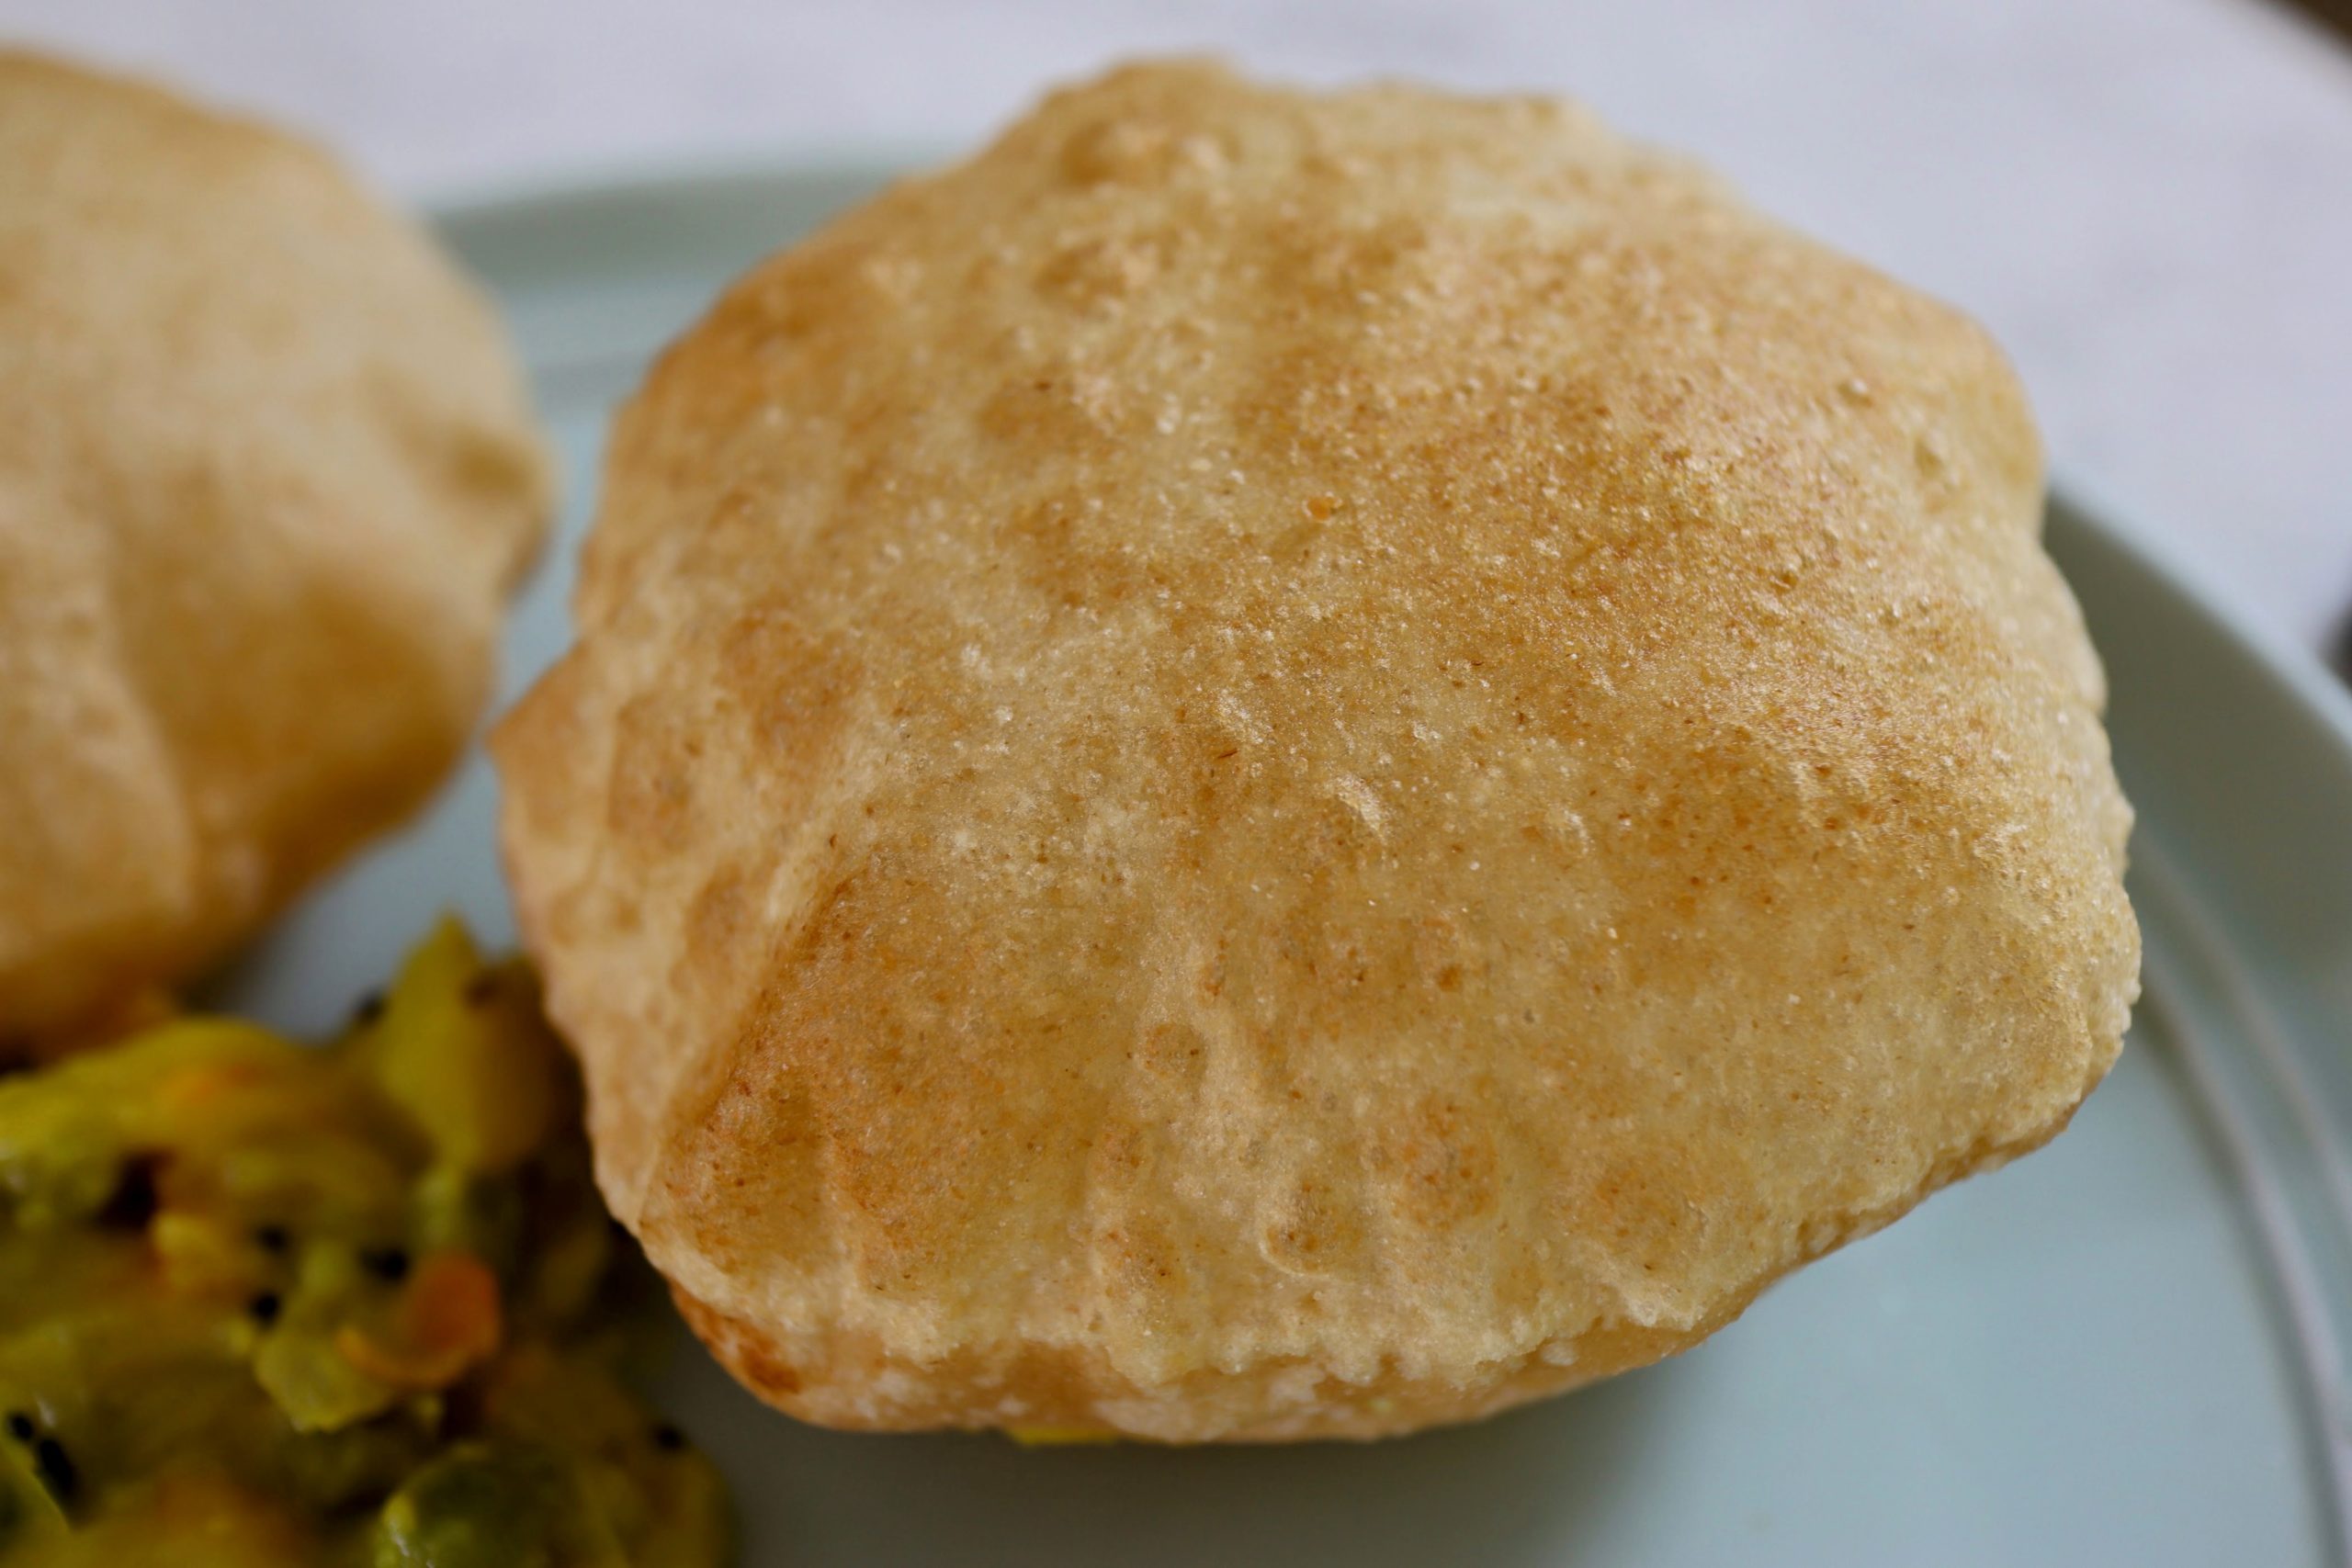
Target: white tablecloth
{"x": 2150, "y": 201}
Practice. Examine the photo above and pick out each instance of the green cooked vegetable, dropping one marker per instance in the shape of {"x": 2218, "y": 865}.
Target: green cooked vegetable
{"x": 461, "y": 1047}
{"x": 496, "y": 1506}
{"x": 270, "y": 1306}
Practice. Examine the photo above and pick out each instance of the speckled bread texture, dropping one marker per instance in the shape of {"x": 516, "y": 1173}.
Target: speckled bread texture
{"x": 1270, "y": 766}
{"x": 266, "y": 474}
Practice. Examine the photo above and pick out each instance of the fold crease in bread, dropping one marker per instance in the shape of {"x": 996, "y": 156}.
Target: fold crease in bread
{"x": 1270, "y": 765}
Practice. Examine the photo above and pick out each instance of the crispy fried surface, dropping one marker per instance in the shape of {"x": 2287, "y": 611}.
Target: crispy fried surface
{"x": 1270, "y": 765}
{"x": 265, "y": 473}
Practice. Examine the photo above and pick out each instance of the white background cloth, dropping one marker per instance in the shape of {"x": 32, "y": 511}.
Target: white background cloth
{"x": 2150, "y": 201}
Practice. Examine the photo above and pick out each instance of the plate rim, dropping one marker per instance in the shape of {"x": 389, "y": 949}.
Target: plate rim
{"x": 595, "y": 182}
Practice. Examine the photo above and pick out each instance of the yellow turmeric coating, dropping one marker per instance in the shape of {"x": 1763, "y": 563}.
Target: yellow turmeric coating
{"x": 263, "y": 1304}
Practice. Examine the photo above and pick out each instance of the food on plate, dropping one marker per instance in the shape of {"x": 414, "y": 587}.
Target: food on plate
{"x": 263, "y": 1303}
{"x": 266, "y": 474}
{"x": 1272, "y": 765}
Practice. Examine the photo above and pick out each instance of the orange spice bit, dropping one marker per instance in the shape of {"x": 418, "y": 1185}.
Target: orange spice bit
{"x": 200, "y": 1084}
{"x": 449, "y": 1321}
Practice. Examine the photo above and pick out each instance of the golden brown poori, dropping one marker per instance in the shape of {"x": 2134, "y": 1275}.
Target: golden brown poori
{"x": 267, "y": 472}
{"x": 1270, "y": 765}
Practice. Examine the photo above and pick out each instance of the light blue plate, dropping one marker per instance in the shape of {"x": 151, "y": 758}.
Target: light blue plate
{"x": 2127, "y": 1349}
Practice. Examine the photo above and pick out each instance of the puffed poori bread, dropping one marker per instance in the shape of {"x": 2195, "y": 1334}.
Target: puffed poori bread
{"x": 266, "y": 473}
{"x": 1271, "y": 765}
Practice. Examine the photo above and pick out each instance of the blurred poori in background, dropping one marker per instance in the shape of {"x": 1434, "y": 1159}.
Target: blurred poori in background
{"x": 267, "y": 473}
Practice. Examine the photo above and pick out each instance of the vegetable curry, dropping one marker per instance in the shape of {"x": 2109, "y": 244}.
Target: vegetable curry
{"x": 266, "y": 1305}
